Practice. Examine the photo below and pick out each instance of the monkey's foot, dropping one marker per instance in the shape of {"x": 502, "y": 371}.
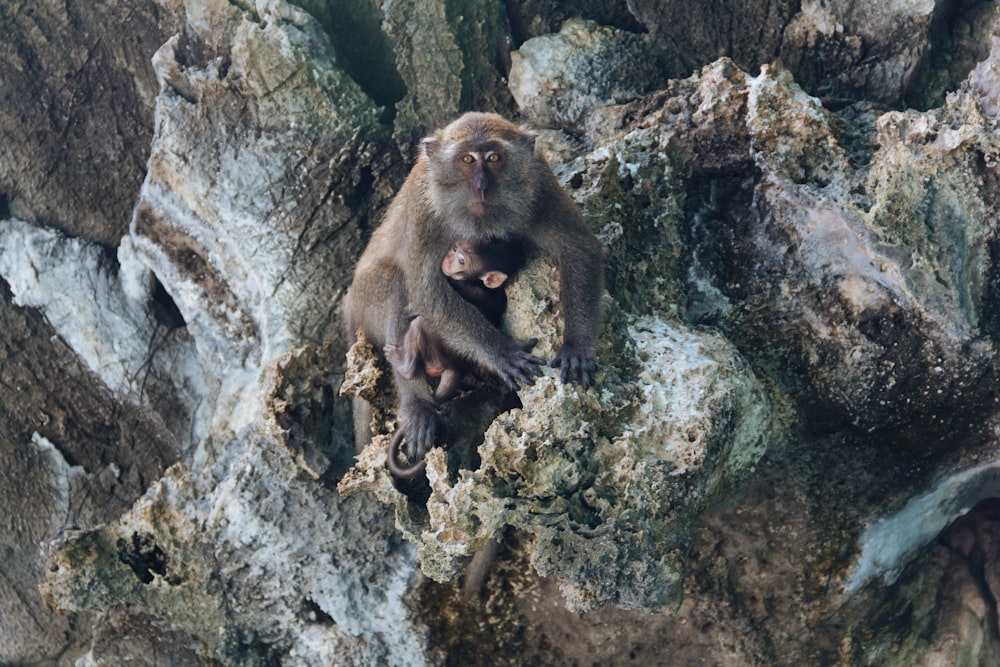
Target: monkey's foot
{"x": 576, "y": 366}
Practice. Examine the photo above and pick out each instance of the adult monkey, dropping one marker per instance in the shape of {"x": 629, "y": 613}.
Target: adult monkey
{"x": 479, "y": 179}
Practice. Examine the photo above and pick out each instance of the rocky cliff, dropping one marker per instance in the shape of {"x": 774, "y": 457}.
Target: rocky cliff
{"x": 790, "y": 454}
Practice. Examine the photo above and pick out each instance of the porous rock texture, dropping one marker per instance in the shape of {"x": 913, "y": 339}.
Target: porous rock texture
{"x": 789, "y": 456}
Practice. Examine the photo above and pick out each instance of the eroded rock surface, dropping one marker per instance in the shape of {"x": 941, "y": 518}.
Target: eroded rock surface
{"x": 608, "y": 482}
{"x": 797, "y": 365}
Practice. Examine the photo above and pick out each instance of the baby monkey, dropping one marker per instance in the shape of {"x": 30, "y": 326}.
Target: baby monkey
{"x": 478, "y": 272}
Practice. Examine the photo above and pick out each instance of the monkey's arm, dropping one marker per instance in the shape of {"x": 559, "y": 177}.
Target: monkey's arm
{"x": 563, "y": 235}
{"x": 464, "y": 329}
{"x": 406, "y": 357}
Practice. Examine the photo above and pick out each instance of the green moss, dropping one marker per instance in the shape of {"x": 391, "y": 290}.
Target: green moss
{"x": 362, "y": 49}
{"x": 644, "y": 247}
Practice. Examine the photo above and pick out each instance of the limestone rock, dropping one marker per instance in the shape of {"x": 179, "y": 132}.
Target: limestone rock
{"x": 77, "y": 113}
{"x": 558, "y": 79}
{"x": 748, "y": 32}
{"x": 796, "y": 403}
{"x": 198, "y": 548}
{"x": 607, "y": 482}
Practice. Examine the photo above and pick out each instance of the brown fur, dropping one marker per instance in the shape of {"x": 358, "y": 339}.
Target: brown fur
{"x": 444, "y": 198}
{"x": 475, "y": 271}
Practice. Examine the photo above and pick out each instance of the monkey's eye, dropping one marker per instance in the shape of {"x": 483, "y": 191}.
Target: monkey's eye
{"x": 468, "y": 158}
{"x": 493, "y": 157}
{"x": 455, "y": 247}
{"x": 461, "y": 260}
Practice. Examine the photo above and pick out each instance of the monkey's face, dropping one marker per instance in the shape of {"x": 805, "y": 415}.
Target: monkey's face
{"x": 480, "y": 171}
{"x": 461, "y": 262}
{"x": 480, "y": 166}
{"x": 464, "y": 262}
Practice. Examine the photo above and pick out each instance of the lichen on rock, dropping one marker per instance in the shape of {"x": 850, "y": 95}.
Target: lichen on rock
{"x": 608, "y": 481}
{"x": 559, "y": 79}
{"x": 801, "y": 258}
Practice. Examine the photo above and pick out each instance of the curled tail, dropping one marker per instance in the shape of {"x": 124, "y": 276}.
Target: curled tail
{"x": 392, "y": 463}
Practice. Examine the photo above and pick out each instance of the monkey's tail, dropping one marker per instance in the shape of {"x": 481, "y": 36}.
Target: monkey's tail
{"x": 392, "y": 462}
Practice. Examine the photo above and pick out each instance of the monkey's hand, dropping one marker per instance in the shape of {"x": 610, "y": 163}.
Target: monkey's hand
{"x": 577, "y": 365}
{"x": 519, "y": 367}
{"x": 419, "y": 422}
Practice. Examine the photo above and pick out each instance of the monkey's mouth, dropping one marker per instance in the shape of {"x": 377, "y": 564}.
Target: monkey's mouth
{"x": 477, "y": 206}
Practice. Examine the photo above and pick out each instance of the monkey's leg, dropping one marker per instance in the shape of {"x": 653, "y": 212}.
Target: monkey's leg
{"x": 416, "y": 411}
{"x": 451, "y": 380}
{"x": 378, "y": 306}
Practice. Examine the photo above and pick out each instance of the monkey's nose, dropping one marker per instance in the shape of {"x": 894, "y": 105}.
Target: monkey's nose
{"x": 479, "y": 184}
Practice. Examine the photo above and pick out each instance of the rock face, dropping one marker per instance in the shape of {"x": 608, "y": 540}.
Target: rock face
{"x": 790, "y": 454}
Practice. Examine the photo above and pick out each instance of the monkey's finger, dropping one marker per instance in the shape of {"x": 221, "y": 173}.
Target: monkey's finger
{"x": 422, "y": 441}
{"x": 583, "y": 377}
{"x": 533, "y": 364}
{"x": 569, "y": 370}
{"x": 515, "y": 378}
{"x": 531, "y": 369}
{"x": 576, "y": 369}
{"x": 528, "y": 344}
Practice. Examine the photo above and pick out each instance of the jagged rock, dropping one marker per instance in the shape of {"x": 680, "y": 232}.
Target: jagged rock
{"x": 557, "y": 80}
{"x": 71, "y": 452}
{"x": 848, "y": 51}
{"x": 252, "y": 559}
{"x": 282, "y": 160}
{"x": 534, "y": 18}
{"x": 748, "y": 32}
{"x": 77, "y": 112}
{"x": 124, "y": 636}
{"x": 803, "y": 275}
{"x": 429, "y": 61}
{"x": 607, "y": 482}
{"x": 914, "y": 51}
{"x": 47, "y": 486}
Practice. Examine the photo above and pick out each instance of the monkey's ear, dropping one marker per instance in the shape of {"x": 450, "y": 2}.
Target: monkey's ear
{"x": 429, "y": 145}
{"x": 528, "y": 136}
{"x": 494, "y": 279}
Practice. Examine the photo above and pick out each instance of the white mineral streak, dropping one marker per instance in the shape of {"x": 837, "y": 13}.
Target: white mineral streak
{"x": 100, "y": 313}
{"x": 103, "y": 316}
{"x": 219, "y": 198}
{"x": 688, "y": 379}
{"x": 66, "y": 279}
{"x": 62, "y": 474}
{"x": 675, "y": 378}
{"x": 889, "y": 543}
{"x": 228, "y": 364}
{"x": 985, "y": 82}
